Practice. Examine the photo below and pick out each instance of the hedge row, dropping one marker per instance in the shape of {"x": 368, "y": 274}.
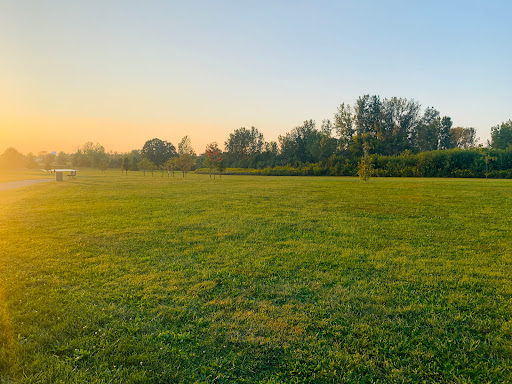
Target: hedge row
{"x": 451, "y": 163}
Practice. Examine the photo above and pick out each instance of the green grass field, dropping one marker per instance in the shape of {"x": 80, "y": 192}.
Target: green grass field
{"x": 131, "y": 279}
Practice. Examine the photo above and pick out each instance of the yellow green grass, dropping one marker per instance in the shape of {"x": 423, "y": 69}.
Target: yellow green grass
{"x": 118, "y": 279}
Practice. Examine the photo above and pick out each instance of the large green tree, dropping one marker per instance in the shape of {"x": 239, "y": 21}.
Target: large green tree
{"x": 344, "y": 123}
{"x": 501, "y": 135}
{"x": 445, "y": 141}
{"x": 213, "y": 156}
{"x": 126, "y": 165}
{"x": 301, "y": 144}
{"x": 368, "y": 113}
{"x": 400, "y": 118}
{"x": 185, "y": 162}
{"x": 243, "y": 143}
{"x": 392, "y": 122}
{"x": 426, "y": 135}
{"x": 158, "y": 151}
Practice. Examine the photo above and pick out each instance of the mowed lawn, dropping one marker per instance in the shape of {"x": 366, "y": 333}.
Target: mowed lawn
{"x": 132, "y": 279}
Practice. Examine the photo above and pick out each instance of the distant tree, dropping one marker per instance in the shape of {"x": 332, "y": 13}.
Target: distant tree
{"x": 146, "y": 165}
{"x": 31, "y": 161}
{"x": 170, "y": 165}
{"x": 209, "y": 163}
{"x": 302, "y": 144}
{"x": 426, "y": 135}
{"x": 344, "y": 123}
{"x": 134, "y": 164}
{"x": 368, "y": 114}
{"x": 271, "y": 147}
{"x": 49, "y": 160}
{"x": 243, "y": 143}
{"x": 365, "y": 168}
{"x": 392, "y": 122}
{"x": 62, "y": 159}
{"x": 326, "y": 147}
{"x": 213, "y": 156}
{"x": 12, "y": 159}
{"x": 126, "y": 165}
{"x": 501, "y": 135}
{"x": 115, "y": 160}
{"x": 89, "y": 155}
{"x": 444, "y": 133}
{"x": 399, "y": 120}
{"x": 463, "y": 137}
{"x": 185, "y": 162}
{"x": 158, "y": 151}
{"x": 326, "y": 127}
{"x": 103, "y": 166}
{"x": 185, "y": 146}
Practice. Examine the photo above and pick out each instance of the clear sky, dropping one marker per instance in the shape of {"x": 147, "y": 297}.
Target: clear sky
{"x": 123, "y": 72}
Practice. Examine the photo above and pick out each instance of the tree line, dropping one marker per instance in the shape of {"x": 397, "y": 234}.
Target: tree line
{"x": 387, "y": 130}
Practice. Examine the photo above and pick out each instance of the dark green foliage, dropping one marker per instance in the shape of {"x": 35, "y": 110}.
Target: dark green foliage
{"x": 242, "y": 144}
{"x": 450, "y": 163}
{"x": 126, "y": 165}
{"x": 303, "y": 144}
{"x": 426, "y": 135}
{"x": 445, "y": 140}
{"x": 501, "y": 135}
{"x": 158, "y": 151}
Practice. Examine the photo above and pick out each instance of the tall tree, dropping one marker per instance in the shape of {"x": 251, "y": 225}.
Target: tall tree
{"x": 213, "y": 156}
{"x": 426, "y": 135}
{"x": 344, "y": 122}
{"x": 126, "y": 165}
{"x": 89, "y": 155}
{"x": 400, "y": 118}
{"x": 185, "y": 162}
{"x": 185, "y": 146}
{"x": 243, "y": 143}
{"x": 445, "y": 141}
{"x": 501, "y": 135}
{"x": 326, "y": 127}
{"x": 368, "y": 112}
{"x": 158, "y": 151}
{"x": 301, "y": 144}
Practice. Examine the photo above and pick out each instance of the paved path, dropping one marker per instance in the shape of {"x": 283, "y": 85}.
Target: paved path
{"x": 22, "y": 183}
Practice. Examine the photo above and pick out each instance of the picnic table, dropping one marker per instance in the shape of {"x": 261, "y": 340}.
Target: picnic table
{"x": 59, "y": 173}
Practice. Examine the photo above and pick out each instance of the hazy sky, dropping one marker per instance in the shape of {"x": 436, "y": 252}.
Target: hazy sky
{"x": 123, "y": 72}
